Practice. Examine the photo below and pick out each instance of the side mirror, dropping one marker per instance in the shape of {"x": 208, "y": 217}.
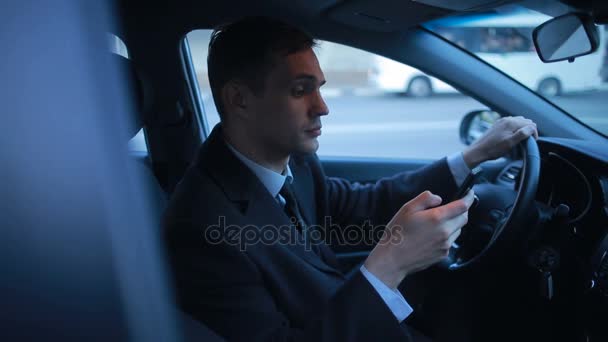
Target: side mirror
{"x": 475, "y": 124}
{"x": 565, "y": 37}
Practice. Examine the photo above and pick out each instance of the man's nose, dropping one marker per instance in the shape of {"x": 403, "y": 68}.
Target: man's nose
{"x": 320, "y": 107}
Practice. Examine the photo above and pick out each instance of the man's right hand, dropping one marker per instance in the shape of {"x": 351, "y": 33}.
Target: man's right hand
{"x": 418, "y": 236}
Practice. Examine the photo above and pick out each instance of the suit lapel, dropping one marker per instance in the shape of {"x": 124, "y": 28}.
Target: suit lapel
{"x": 259, "y": 208}
{"x": 232, "y": 176}
{"x": 304, "y": 191}
{"x": 266, "y": 213}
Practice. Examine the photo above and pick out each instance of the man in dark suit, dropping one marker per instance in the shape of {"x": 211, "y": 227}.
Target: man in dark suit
{"x": 244, "y": 228}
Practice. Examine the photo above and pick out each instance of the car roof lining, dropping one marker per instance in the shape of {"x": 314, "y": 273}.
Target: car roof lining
{"x": 322, "y": 18}
{"x": 377, "y": 15}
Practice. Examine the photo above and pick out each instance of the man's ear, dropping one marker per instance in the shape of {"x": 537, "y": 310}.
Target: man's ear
{"x": 234, "y": 97}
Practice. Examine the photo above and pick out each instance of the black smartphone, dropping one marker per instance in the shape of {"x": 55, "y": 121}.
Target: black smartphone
{"x": 467, "y": 184}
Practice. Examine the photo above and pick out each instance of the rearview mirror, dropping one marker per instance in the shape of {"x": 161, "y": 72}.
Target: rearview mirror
{"x": 565, "y": 37}
{"x": 475, "y": 124}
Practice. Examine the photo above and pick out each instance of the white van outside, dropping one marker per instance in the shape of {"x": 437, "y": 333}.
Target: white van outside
{"x": 504, "y": 42}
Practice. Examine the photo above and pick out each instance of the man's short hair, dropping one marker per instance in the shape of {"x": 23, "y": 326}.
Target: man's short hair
{"x": 246, "y": 50}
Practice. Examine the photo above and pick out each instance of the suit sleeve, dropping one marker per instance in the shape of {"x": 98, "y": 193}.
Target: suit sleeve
{"x": 351, "y": 203}
{"x": 220, "y": 286}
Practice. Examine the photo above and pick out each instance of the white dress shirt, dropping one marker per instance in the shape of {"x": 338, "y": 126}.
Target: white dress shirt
{"x": 273, "y": 182}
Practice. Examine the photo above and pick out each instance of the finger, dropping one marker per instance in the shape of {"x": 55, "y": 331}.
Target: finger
{"x": 520, "y": 119}
{"x": 517, "y": 122}
{"x": 457, "y": 222}
{"x": 528, "y": 122}
{"x": 522, "y": 134}
{"x": 458, "y": 207}
{"x": 454, "y": 236}
{"x": 454, "y": 227}
{"x": 423, "y": 201}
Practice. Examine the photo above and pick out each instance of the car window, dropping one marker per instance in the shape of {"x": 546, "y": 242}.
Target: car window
{"x": 117, "y": 46}
{"x": 378, "y": 107}
{"x": 504, "y": 40}
{"x": 487, "y": 39}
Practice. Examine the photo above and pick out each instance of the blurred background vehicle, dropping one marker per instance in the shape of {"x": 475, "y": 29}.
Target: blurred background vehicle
{"x": 504, "y": 41}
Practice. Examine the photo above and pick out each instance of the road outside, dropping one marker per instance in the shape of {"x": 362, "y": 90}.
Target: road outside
{"x": 370, "y": 124}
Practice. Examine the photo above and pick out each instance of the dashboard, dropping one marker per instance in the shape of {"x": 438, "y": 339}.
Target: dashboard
{"x": 575, "y": 175}
{"x": 566, "y": 184}
{"x": 572, "y": 227}
{"x": 563, "y": 268}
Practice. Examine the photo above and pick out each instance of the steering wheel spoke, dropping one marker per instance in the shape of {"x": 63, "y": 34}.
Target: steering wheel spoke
{"x": 501, "y": 211}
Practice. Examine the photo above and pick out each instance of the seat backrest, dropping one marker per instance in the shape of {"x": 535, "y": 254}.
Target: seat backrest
{"x": 140, "y": 160}
{"x": 190, "y": 330}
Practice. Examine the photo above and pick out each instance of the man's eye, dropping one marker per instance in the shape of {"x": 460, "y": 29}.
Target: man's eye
{"x": 298, "y": 91}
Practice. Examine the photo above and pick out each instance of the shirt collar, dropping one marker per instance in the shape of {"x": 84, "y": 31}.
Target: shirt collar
{"x": 273, "y": 181}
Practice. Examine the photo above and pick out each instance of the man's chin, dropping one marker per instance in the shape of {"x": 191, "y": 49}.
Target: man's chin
{"x": 310, "y": 146}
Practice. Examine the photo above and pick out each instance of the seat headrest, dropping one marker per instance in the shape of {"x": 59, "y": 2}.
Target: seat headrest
{"x": 135, "y": 92}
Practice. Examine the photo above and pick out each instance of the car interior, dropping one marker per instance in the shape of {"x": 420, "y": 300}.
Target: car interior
{"x": 534, "y": 266}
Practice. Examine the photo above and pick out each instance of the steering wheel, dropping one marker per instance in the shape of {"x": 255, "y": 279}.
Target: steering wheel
{"x": 500, "y": 210}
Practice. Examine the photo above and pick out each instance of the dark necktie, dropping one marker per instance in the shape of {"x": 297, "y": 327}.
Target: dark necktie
{"x": 293, "y": 211}
{"x": 291, "y": 206}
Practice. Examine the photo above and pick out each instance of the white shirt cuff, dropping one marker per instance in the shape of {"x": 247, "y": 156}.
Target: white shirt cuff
{"x": 460, "y": 170}
{"x": 392, "y": 297}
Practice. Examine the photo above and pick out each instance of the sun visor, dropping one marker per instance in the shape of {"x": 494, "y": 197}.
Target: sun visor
{"x": 390, "y": 15}
{"x": 463, "y": 5}
{"x": 384, "y": 15}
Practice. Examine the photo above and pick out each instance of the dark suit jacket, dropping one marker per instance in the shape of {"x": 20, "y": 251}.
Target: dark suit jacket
{"x": 275, "y": 290}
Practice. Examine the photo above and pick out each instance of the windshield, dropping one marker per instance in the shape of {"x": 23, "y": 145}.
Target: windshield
{"x": 504, "y": 40}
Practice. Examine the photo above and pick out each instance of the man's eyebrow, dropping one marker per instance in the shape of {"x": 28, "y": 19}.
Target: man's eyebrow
{"x": 308, "y": 77}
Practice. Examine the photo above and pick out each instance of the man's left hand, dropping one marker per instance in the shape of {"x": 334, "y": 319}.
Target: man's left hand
{"x": 499, "y": 139}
